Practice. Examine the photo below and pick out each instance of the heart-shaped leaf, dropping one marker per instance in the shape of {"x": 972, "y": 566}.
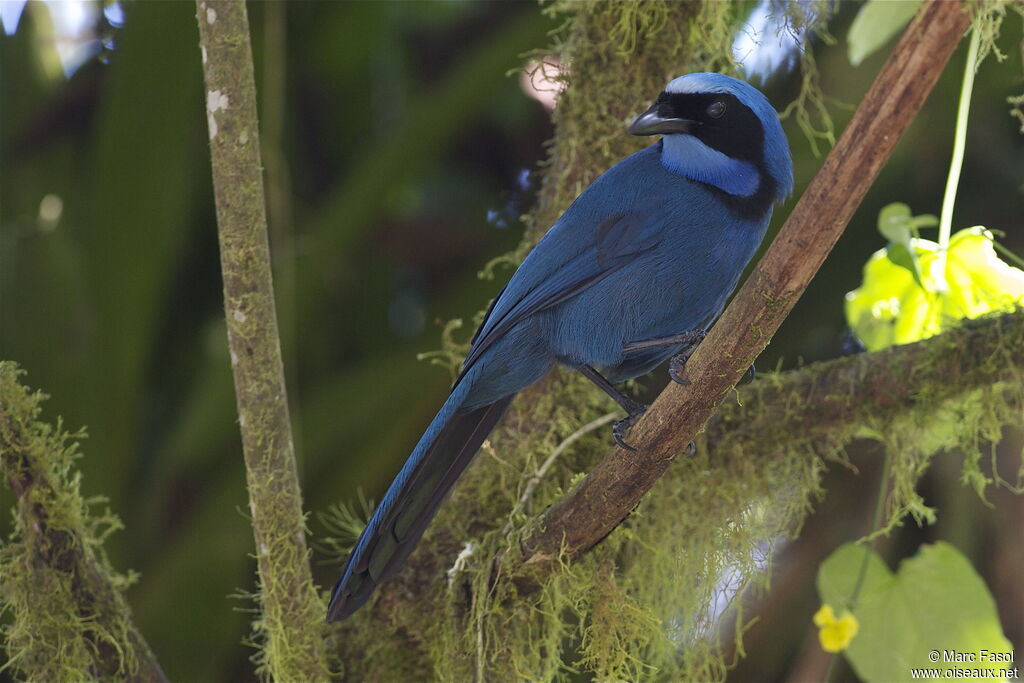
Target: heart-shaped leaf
{"x": 935, "y": 612}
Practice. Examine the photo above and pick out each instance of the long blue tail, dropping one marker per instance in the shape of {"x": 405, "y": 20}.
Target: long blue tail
{"x": 443, "y": 452}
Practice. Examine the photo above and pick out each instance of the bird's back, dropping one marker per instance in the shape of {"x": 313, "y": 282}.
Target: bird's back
{"x": 690, "y": 249}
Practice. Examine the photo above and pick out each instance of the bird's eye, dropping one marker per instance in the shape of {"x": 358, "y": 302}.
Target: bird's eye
{"x": 716, "y": 109}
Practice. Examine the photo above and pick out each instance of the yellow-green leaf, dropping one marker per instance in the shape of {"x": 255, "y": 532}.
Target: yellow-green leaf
{"x": 897, "y": 225}
{"x": 891, "y": 307}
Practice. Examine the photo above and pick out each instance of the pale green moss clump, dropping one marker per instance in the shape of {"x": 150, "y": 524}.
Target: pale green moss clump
{"x": 67, "y": 617}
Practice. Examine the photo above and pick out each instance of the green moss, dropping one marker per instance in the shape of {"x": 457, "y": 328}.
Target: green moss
{"x": 652, "y": 600}
{"x": 1017, "y": 109}
{"x": 988, "y": 20}
{"x": 68, "y": 620}
{"x": 810, "y": 107}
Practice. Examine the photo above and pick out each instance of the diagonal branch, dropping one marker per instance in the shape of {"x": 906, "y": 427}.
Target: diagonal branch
{"x": 603, "y": 499}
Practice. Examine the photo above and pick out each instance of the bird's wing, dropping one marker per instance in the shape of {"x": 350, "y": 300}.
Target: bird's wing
{"x": 537, "y": 285}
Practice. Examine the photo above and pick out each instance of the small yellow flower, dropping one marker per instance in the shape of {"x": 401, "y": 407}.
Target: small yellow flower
{"x": 835, "y": 634}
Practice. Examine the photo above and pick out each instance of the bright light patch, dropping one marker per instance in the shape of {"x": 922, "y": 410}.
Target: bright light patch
{"x": 50, "y": 209}
{"x": 542, "y": 81}
{"x": 523, "y": 179}
{"x": 767, "y": 44}
{"x": 74, "y": 28}
{"x": 10, "y": 14}
{"x": 114, "y": 14}
{"x": 74, "y": 22}
{"x": 733, "y": 578}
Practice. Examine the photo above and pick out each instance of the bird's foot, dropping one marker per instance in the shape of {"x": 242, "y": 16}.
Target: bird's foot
{"x": 620, "y": 428}
{"x": 678, "y": 363}
{"x": 676, "y": 366}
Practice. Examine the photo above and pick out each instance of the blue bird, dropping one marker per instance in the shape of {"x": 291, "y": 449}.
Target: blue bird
{"x": 633, "y": 273}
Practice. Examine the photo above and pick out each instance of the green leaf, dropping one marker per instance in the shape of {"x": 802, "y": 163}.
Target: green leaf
{"x": 894, "y": 305}
{"x": 902, "y": 256}
{"x": 896, "y": 224}
{"x": 876, "y": 23}
{"x": 934, "y": 603}
{"x": 925, "y": 220}
{"x": 893, "y": 222}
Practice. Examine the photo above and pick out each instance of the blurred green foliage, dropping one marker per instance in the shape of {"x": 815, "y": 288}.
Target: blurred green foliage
{"x": 399, "y": 133}
{"x": 877, "y": 22}
{"x": 114, "y": 307}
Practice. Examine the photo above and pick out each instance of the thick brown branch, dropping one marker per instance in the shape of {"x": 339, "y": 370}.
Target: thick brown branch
{"x": 292, "y": 613}
{"x": 593, "y": 508}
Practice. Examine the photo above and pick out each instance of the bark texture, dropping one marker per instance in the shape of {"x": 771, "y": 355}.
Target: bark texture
{"x": 291, "y": 615}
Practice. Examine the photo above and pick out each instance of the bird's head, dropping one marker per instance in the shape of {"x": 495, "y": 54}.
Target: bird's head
{"x": 722, "y": 132}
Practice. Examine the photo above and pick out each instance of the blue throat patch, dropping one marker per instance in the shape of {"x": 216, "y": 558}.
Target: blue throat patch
{"x": 688, "y": 156}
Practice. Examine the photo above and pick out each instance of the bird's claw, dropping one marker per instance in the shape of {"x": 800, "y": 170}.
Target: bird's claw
{"x": 676, "y": 367}
{"x": 620, "y": 428}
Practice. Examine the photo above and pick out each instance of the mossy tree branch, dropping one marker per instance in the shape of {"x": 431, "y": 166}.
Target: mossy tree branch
{"x": 292, "y": 613}
{"x": 838, "y": 395}
{"x": 818, "y": 409}
{"x": 69, "y": 619}
{"x": 604, "y": 498}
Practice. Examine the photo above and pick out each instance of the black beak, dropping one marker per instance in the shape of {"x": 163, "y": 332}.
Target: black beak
{"x": 652, "y": 123}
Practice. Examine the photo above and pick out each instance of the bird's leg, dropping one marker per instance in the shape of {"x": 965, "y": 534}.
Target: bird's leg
{"x": 634, "y": 409}
{"x": 690, "y": 338}
{"x": 629, "y": 405}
